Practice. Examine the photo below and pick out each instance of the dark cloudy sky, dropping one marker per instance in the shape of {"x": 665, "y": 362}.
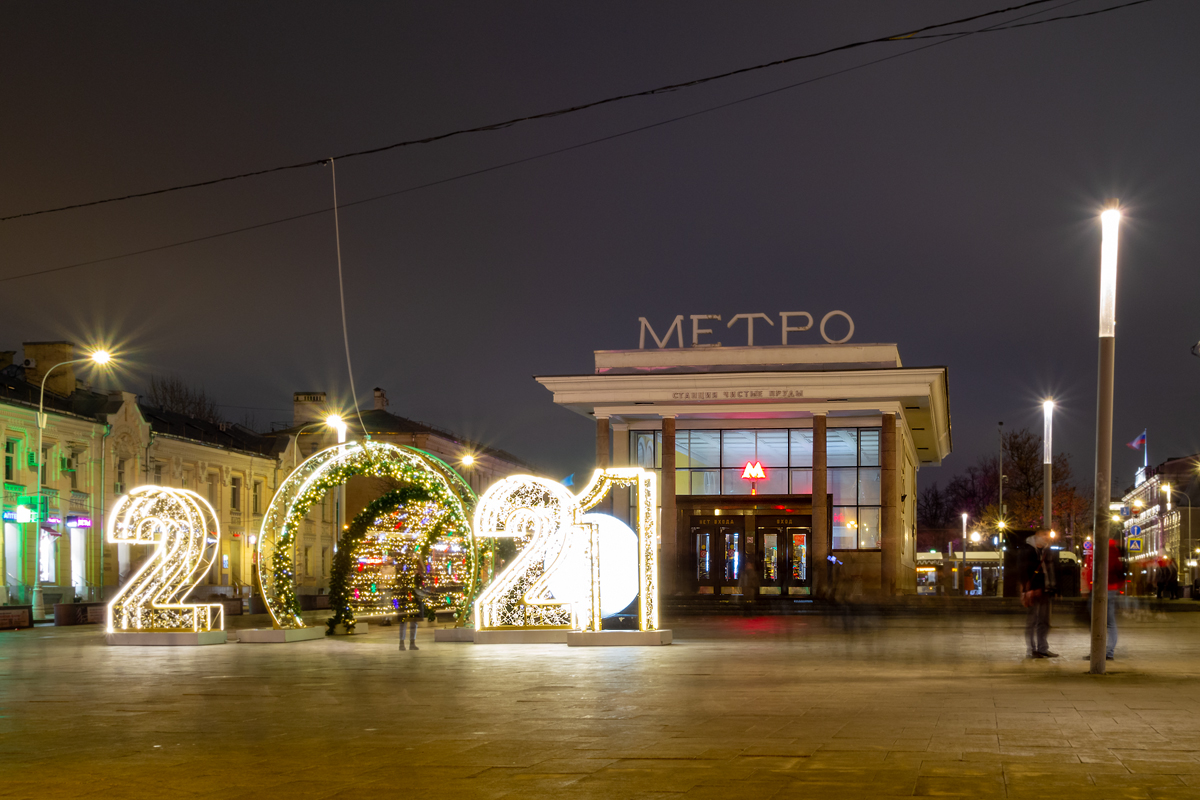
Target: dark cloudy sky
{"x": 945, "y": 199}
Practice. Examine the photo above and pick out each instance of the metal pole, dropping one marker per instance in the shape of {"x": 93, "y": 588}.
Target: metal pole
{"x": 963, "y": 577}
{"x": 1000, "y": 509}
{"x": 1104, "y": 413}
{"x": 1047, "y": 466}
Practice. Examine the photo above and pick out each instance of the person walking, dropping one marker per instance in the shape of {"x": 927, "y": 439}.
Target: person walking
{"x": 1116, "y": 585}
{"x": 1035, "y": 570}
{"x": 418, "y": 596}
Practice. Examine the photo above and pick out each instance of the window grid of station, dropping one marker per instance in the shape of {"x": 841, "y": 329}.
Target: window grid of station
{"x": 711, "y": 462}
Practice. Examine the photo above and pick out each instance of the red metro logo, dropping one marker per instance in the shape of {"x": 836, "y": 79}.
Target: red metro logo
{"x": 754, "y": 472}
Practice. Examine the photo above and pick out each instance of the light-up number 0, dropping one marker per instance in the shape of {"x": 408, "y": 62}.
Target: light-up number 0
{"x": 573, "y": 560}
{"x": 184, "y": 530}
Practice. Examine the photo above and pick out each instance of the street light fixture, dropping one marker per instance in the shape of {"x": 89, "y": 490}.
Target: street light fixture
{"x": 1110, "y": 221}
{"x": 1167, "y": 490}
{"x": 101, "y": 358}
{"x": 1047, "y": 466}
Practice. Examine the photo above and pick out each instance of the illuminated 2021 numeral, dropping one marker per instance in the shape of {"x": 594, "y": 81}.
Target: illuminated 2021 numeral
{"x": 184, "y": 530}
{"x": 556, "y": 580}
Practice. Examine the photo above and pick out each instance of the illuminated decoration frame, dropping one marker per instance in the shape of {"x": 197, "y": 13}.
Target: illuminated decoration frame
{"x": 519, "y": 597}
{"x": 278, "y": 543}
{"x": 186, "y": 534}
{"x": 341, "y": 590}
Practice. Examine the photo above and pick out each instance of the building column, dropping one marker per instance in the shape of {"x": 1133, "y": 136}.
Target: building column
{"x": 603, "y": 457}
{"x": 620, "y": 458}
{"x": 669, "y": 551}
{"x": 822, "y": 535}
{"x": 890, "y": 511}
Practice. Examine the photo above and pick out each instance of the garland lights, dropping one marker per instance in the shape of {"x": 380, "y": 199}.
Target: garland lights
{"x": 555, "y": 581}
{"x": 185, "y": 533}
{"x": 415, "y": 469}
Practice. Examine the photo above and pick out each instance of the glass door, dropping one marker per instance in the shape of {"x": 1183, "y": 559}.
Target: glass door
{"x": 716, "y": 554}
{"x": 784, "y": 557}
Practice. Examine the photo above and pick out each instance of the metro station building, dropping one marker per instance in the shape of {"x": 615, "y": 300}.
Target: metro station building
{"x": 799, "y": 459}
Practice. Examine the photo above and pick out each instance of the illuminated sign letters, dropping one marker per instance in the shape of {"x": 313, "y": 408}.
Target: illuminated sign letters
{"x": 675, "y": 329}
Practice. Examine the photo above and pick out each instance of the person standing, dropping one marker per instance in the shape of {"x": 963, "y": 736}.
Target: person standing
{"x": 1035, "y": 570}
{"x": 1116, "y": 586}
{"x": 418, "y": 597}
{"x": 748, "y": 584}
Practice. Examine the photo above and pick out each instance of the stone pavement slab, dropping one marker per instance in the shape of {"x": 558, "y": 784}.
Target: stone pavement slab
{"x": 758, "y": 708}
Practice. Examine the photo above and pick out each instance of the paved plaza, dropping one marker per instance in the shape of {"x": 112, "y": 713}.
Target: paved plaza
{"x": 756, "y": 708}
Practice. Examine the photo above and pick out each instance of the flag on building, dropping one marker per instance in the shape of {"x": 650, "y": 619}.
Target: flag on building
{"x": 1137, "y": 443}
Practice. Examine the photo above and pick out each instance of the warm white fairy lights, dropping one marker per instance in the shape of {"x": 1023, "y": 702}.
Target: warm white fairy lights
{"x": 185, "y": 533}
{"x": 573, "y": 560}
{"x": 279, "y": 544}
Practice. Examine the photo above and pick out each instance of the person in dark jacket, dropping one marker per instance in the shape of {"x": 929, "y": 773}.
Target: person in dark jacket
{"x": 1035, "y": 571}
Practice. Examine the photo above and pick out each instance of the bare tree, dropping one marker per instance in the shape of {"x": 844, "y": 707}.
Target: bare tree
{"x": 172, "y": 394}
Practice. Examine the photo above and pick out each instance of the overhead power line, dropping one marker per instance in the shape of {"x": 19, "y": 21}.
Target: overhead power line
{"x": 556, "y": 113}
{"x": 536, "y": 156}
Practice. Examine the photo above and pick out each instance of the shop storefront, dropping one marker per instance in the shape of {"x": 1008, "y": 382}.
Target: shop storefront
{"x": 744, "y": 439}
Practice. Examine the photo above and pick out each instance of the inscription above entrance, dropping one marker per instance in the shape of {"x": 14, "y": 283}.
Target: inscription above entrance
{"x": 785, "y": 319}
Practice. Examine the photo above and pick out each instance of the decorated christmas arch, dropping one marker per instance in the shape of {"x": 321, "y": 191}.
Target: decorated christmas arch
{"x": 395, "y": 539}
{"x": 422, "y": 479}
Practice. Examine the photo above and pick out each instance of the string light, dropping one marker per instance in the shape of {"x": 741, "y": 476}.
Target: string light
{"x": 185, "y": 533}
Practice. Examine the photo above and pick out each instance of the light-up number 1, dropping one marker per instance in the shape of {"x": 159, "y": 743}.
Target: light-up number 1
{"x": 559, "y": 578}
{"x": 184, "y": 530}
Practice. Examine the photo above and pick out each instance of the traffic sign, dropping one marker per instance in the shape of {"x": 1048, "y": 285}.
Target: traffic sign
{"x": 1136, "y": 543}
{"x": 1136, "y": 530}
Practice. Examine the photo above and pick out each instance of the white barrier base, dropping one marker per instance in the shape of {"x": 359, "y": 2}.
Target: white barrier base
{"x": 359, "y": 627}
{"x": 169, "y": 638}
{"x": 618, "y": 638}
{"x": 282, "y": 635}
{"x": 454, "y": 634}
{"x": 522, "y": 636}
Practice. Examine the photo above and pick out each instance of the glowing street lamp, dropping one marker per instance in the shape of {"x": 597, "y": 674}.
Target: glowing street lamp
{"x": 100, "y": 357}
{"x": 1047, "y": 466}
{"x": 338, "y": 424}
{"x": 1110, "y": 222}
{"x": 468, "y": 460}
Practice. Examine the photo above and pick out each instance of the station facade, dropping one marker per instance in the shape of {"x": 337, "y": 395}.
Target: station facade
{"x": 800, "y": 460}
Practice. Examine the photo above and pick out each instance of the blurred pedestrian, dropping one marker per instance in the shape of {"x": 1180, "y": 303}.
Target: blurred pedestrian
{"x": 1116, "y": 585}
{"x": 1035, "y": 571}
{"x": 418, "y": 608}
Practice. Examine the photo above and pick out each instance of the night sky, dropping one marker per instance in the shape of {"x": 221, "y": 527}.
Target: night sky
{"x": 947, "y": 200}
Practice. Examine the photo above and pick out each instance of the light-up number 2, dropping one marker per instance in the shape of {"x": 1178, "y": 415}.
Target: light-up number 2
{"x": 184, "y": 530}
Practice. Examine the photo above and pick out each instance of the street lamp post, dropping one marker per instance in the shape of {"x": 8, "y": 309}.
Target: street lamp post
{"x": 1110, "y": 222}
{"x": 963, "y": 576}
{"x": 1166, "y": 487}
{"x": 1047, "y": 466}
{"x": 339, "y": 425}
{"x": 100, "y": 357}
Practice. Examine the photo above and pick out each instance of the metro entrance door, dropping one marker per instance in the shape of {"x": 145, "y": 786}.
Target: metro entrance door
{"x": 718, "y": 549}
{"x": 783, "y": 546}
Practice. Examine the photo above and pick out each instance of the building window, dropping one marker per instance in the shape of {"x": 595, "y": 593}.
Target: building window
{"x": 235, "y": 494}
{"x": 256, "y": 498}
{"x": 308, "y": 561}
{"x": 212, "y": 491}
{"x": 324, "y": 561}
{"x": 158, "y": 479}
{"x": 46, "y": 553}
{"x": 73, "y": 470}
{"x": 45, "y": 464}
{"x": 10, "y": 460}
{"x": 712, "y": 462}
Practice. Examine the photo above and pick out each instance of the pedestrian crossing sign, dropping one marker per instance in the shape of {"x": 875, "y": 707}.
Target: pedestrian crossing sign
{"x": 1136, "y": 543}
